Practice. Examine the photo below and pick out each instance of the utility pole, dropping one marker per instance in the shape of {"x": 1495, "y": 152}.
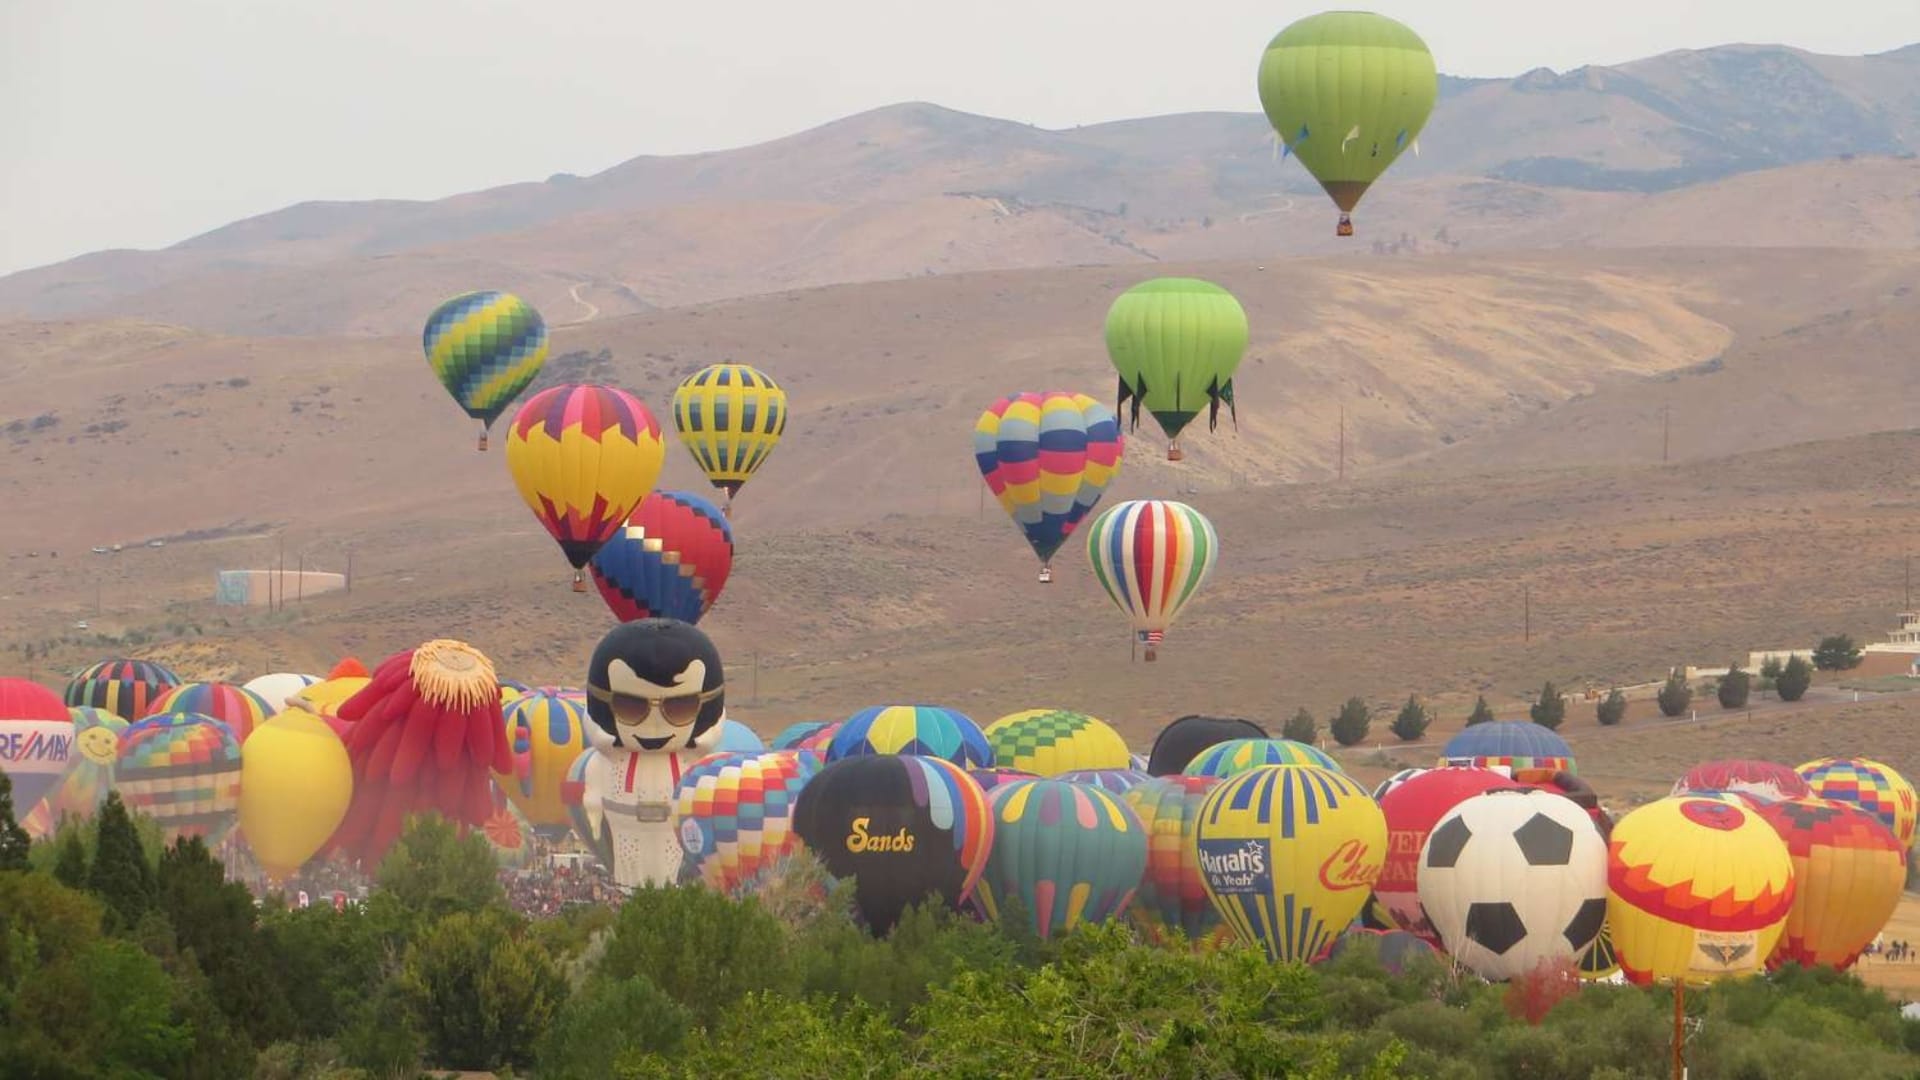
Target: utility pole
{"x": 1526, "y": 591}
{"x": 300, "y": 581}
{"x": 1906, "y": 601}
{"x": 349, "y": 581}
{"x": 1666, "y": 427}
{"x": 1343, "y": 443}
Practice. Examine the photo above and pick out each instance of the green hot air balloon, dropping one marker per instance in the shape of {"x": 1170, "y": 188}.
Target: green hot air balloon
{"x": 1347, "y": 91}
{"x": 485, "y": 347}
{"x": 1176, "y": 343}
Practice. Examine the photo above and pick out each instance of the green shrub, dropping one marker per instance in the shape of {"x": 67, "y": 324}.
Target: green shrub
{"x": 705, "y": 950}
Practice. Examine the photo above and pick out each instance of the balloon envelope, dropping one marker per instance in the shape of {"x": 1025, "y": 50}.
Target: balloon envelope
{"x": 1067, "y": 852}
{"x": 734, "y": 813}
{"x": 1764, "y": 780}
{"x": 1240, "y": 755}
{"x": 237, "y": 707}
{"x": 485, "y": 348}
{"x": 127, "y": 688}
{"x": 1848, "y": 873}
{"x": 546, "y": 733}
{"x": 912, "y": 729}
{"x": 1873, "y": 786}
{"x": 295, "y": 784}
{"x": 582, "y": 458}
{"x": 183, "y": 771}
{"x": 1182, "y": 740}
{"x": 1412, "y": 808}
{"x": 730, "y": 417}
{"x": 1047, "y": 458}
{"x": 36, "y": 740}
{"x": 671, "y": 559}
{"x": 1152, "y": 557}
{"x": 1176, "y": 343}
{"x": 1173, "y": 894}
{"x": 1047, "y": 742}
{"x": 1526, "y": 748}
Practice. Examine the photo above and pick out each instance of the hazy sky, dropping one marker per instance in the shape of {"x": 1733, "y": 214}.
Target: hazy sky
{"x": 138, "y": 123}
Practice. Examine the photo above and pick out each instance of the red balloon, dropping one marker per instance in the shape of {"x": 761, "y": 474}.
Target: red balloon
{"x": 1412, "y": 808}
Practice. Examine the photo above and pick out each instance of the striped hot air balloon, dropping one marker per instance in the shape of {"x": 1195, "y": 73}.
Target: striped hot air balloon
{"x": 583, "y": 457}
{"x": 730, "y": 417}
{"x": 546, "y": 733}
{"x": 734, "y": 813}
{"x": 485, "y": 348}
{"x": 126, "y": 688}
{"x": 1047, "y": 457}
{"x": 1173, "y": 894}
{"x": 240, "y": 709}
{"x": 912, "y": 729}
{"x": 1152, "y": 557}
{"x": 670, "y": 560}
{"x": 1236, "y": 756}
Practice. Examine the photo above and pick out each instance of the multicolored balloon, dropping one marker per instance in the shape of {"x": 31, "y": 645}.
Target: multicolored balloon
{"x": 36, "y": 739}
{"x": 790, "y": 737}
{"x": 912, "y": 729}
{"x": 582, "y": 458}
{"x": 183, "y": 770}
{"x": 1698, "y": 890}
{"x": 904, "y": 827}
{"x": 1289, "y": 854}
{"x": 1848, "y": 873}
{"x": 1176, "y": 343}
{"x": 238, "y": 708}
{"x": 1173, "y": 892}
{"x": 1047, "y": 458}
{"x": 1530, "y": 751}
{"x": 1236, "y": 756}
{"x": 1412, "y": 808}
{"x": 126, "y": 688}
{"x": 582, "y": 794}
{"x": 730, "y": 417}
{"x": 485, "y": 348}
{"x": 734, "y": 813}
{"x": 546, "y": 733}
{"x": 1347, "y": 91}
{"x": 1111, "y": 781}
{"x": 1152, "y": 557}
{"x": 1069, "y": 853}
{"x": 670, "y": 560}
{"x": 1050, "y": 741}
{"x": 1871, "y": 785}
{"x": 1765, "y": 781}
{"x": 89, "y": 773}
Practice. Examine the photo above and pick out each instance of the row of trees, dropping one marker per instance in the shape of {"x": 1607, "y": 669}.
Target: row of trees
{"x": 1353, "y": 721}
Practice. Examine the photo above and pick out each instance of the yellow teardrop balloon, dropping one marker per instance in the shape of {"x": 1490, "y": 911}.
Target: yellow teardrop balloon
{"x": 295, "y": 784}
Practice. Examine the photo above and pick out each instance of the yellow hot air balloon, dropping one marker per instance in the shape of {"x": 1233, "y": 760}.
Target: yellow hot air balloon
{"x": 1289, "y": 854}
{"x": 730, "y": 417}
{"x": 546, "y": 733}
{"x": 583, "y": 457}
{"x": 1848, "y": 872}
{"x": 1697, "y": 890}
{"x": 295, "y": 785}
{"x": 1048, "y": 742}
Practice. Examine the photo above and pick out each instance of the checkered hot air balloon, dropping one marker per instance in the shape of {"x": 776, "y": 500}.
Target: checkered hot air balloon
{"x": 1047, "y": 457}
{"x": 730, "y": 417}
{"x": 1152, "y": 557}
{"x": 1050, "y": 741}
{"x": 485, "y": 348}
{"x": 670, "y": 560}
{"x": 1873, "y": 786}
{"x": 734, "y": 813}
{"x": 1848, "y": 873}
{"x": 582, "y": 458}
{"x": 183, "y": 770}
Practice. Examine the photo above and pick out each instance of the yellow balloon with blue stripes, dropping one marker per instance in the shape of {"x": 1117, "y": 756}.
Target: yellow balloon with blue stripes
{"x": 1288, "y": 855}
{"x": 730, "y": 416}
{"x": 485, "y": 348}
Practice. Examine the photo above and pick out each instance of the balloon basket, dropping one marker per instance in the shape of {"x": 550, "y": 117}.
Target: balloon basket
{"x": 1345, "y": 228}
{"x": 1046, "y": 576}
{"x": 483, "y": 440}
{"x": 579, "y": 582}
{"x": 1174, "y": 453}
{"x": 1152, "y": 654}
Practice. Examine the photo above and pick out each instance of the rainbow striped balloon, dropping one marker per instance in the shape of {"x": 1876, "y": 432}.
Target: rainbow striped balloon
{"x": 485, "y": 348}
{"x": 583, "y": 457}
{"x": 730, "y": 417}
{"x": 1152, "y": 556}
{"x": 1173, "y": 895}
{"x": 127, "y": 688}
{"x": 734, "y": 813}
{"x": 235, "y": 706}
{"x": 1048, "y": 457}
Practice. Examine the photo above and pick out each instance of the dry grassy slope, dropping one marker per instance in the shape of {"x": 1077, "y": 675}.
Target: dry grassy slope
{"x": 873, "y": 370}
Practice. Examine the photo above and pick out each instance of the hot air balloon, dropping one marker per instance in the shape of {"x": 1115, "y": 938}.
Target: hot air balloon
{"x": 1152, "y": 557}
{"x": 1871, "y": 785}
{"x": 485, "y": 347}
{"x": 1514, "y": 878}
{"x": 36, "y": 739}
{"x": 1412, "y": 808}
{"x": 1176, "y": 343}
{"x": 1047, "y": 457}
{"x": 904, "y": 827}
{"x": 733, "y": 737}
{"x": 1068, "y": 853}
{"x": 1236, "y": 756}
{"x": 1395, "y": 949}
{"x": 295, "y": 785}
{"x": 1530, "y": 751}
{"x": 1288, "y": 854}
{"x": 670, "y": 560}
{"x": 545, "y": 732}
{"x": 586, "y": 785}
{"x": 1848, "y": 872}
{"x": 238, "y": 708}
{"x": 1765, "y": 781}
{"x": 1182, "y": 740}
{"x": 583, "y": 457}
{"x": 1111, "y": 781}
{"x": 509, "y": 834}
{"x": 730, "y": 416}
{"x": 735, "y": 813}
{"x": 1698, "y": 890}
{"x": 126, "y": 688}
{"x": 276, "y": 688}
{"x": 183, "y": 771}
{"x": 912, "y": 729}
{"x": 995, "y": 775}
{"x": 789, "y": 737}
{"x": 1050, "y": 741}
{"x": 1347, "y": 91}
{"x": 1173, "y": 894}
{"x": 88, "y": 776}
{"x": 324, "y": 698}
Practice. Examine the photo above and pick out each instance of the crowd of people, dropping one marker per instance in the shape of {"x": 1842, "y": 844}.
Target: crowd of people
{"x": 1890, "y": 951}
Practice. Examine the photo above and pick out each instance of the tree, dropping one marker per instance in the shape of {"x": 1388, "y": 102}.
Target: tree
{"x": 480, "y": 989}
{"x": 70, "y": 864}
{"x": 432, "y": 869}
{"x": 1734, "y": 687}
{"x": 1482, "y": 712}
{"x": 1412, "y": 721}
{"x": 215, "y": 920}
{"x": 1675, "y": 695}
{"x": 14, "y": 841}
{"x": 1350, "y": 725}
{"x": 120, "y": 876}
{"x": 1836, "y": 652}
{"x": 1794, "y": 678}
{"x": 1612, "y": 709}
{"x": 1551, "y": 709}
{"x": 1302, "y": 727}
{"x": 1770, "y": 670}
